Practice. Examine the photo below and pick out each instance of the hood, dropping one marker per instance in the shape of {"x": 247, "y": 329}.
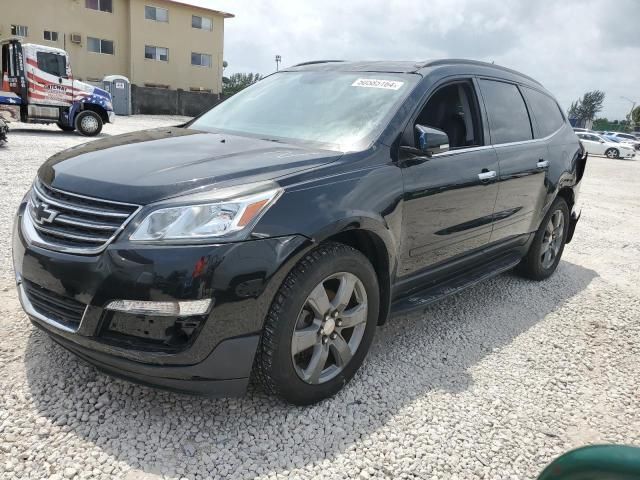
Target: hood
{"x": 150, "y": 165}
{"x": 86, "y": 93}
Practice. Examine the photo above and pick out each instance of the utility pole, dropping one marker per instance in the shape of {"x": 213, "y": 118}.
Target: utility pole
{"x": 278, "y": 60}
{"x": 633, "y": 106}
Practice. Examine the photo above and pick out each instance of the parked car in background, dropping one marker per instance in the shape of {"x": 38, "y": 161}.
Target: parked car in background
{"x": 270, "y": 236}
{"x": 576, "y": 129}
{"x": 625, "y": 138}
{"x": 601, "y": 145}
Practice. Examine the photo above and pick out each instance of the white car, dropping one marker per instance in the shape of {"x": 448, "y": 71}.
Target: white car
{"x": 598, "y": 145}
{"x": 626, "y": 138}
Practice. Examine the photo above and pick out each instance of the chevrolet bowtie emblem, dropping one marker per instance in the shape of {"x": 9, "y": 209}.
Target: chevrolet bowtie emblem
{"x": 42, "y": 214}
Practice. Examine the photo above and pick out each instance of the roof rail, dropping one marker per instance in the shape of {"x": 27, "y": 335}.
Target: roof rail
{"x": 313, "y": 62}
{"x": 454, "y": 61}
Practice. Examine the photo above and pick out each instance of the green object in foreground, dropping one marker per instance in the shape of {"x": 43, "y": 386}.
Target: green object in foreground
{"x": 598, "y": 462}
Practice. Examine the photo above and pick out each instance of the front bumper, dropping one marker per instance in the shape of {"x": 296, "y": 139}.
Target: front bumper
{"x": 241, "y": 278}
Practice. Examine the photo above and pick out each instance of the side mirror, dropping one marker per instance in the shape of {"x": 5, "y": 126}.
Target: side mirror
{"x": 601, "y": 141}
{"x": 431, "y": 140}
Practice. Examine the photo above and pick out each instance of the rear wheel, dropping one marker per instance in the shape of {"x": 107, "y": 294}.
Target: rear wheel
{"x": 548, "y": 244}
{"x": 612, "y": 153}
{"x": 320, "y": 325}
{"x": 88, "y": 123}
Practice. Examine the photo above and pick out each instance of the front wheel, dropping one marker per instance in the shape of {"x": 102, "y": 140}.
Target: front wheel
{"x": 88, "y": 123}
{"x": 320, "y": 325}
{"x": 548, "y": 244}
{"x": 612, "y": 153}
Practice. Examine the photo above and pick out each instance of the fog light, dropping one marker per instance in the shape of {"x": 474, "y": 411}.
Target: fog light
{"x": 169, "y": 309}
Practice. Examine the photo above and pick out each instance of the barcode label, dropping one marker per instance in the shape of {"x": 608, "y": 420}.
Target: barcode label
{"x": 373, "y": 83}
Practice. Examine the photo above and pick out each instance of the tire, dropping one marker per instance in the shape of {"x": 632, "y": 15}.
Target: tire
{"x": 88, "y": 123}
{"x": 65, "y": 128}
{"x": 286, "y": 368}
{"x": 537, "y": 264}
{"x": 612, "y": 153}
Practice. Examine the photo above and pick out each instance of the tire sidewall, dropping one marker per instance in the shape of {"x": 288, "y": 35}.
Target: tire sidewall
{"x": 78, "y": 123}
{"x": 535, "y": 261}
{"x": 290, "y": 385}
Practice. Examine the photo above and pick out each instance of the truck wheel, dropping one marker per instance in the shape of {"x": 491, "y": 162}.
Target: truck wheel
{"x": 548, "y": 244}
{"x": 88, "y": 123}
{"x": 65, "y": 128}
{"x": 320, "y": 325}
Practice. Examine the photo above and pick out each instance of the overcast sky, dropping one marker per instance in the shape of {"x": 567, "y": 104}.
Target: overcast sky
{"x": 569, "y": 46}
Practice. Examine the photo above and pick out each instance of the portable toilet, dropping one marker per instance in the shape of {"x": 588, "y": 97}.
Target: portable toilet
{"x": 120, "y": 89}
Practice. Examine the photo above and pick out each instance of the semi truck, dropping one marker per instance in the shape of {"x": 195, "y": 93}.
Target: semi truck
{"x": 37, "y": 86}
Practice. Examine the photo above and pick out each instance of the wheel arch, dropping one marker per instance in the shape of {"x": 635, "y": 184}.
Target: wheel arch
{"x": 372, "y": 246}
{"x": 95, "y": 108}
{"x": 569, "y": 196}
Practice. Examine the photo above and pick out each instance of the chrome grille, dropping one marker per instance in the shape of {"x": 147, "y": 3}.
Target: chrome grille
{"x": 74, "y": 223}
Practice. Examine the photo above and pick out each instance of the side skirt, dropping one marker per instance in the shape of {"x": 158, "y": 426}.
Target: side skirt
{"x": 455, "y": 283}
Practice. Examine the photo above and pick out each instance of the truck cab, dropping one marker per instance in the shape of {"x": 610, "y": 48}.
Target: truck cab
{"x": 38, "y": 87}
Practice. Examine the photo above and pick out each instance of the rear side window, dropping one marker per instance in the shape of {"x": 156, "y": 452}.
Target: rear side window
{"x": 508, "y": 117}
{"x": 545, "y": 110}
{"x": 52, "y": 63}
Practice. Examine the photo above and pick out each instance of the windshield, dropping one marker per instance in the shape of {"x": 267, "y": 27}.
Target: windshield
{"x": 343, "y": 110}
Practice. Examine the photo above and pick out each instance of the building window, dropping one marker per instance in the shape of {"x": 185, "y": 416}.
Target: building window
{"x": 201, "y": 59}
{"x": 202, "y": 23}
{"x": 51, "y": 36}
{"x": 19, "y": 30}
{"x": 156, "y": 13}
{"x": 102, "y": 5}
{"x": 98, "y": 45}
{"x": 156, "y": 53}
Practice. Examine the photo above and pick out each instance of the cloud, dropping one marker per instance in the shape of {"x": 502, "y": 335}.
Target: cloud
{"x": 569, "y": 46}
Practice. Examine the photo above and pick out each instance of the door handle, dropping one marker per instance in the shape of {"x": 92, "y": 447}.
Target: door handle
{"x": 487, "y": 175}
{"x": 542, "y": 163}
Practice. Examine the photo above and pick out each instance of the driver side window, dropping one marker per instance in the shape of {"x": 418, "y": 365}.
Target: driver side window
{"x": 453, "y": 109}
{"x": 52, "y": 63}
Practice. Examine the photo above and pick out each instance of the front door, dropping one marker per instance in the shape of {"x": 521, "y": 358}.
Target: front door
{"x": 449, "y": 198}
{"x": 48, "y": 77}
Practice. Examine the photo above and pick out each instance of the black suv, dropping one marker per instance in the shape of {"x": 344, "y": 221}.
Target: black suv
{"x": 270, "y": 236}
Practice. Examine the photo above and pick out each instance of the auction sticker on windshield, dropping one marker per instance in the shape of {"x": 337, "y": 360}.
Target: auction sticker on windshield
{"x": 373, "y": 83}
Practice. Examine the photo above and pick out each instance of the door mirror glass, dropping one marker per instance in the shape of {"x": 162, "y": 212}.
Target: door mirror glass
{"x": 431, "y": 140}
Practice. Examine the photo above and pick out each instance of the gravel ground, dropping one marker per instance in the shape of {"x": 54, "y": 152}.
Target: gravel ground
{"x": 491, "y": 383}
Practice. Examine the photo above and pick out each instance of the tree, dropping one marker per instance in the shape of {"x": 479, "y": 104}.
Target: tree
{"x": 587, "y": 107}
{"x": 238, "y": 81}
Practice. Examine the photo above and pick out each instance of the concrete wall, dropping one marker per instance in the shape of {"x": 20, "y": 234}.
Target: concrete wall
{"x": 160, "y": 101}
{"x": 127, "y": 27}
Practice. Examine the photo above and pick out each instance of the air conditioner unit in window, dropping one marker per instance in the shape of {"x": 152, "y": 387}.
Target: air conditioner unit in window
{"x": 76, "y": 38}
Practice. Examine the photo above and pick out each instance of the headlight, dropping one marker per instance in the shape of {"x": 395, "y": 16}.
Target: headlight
{"x": 207, "y": 220}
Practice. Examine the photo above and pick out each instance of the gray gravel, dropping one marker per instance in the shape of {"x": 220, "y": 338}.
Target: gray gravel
{"x": 492, "y": 383}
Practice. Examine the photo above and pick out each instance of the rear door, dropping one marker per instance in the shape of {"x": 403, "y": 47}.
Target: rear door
{"x": 594, "y": 145}
{"x": 523, "y": 161}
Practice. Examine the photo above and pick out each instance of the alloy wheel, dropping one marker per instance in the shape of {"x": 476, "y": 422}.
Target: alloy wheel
{"x": 329, "y": 328}
{"x": 89, "y": 124}
{"x": 552, "y": 239}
